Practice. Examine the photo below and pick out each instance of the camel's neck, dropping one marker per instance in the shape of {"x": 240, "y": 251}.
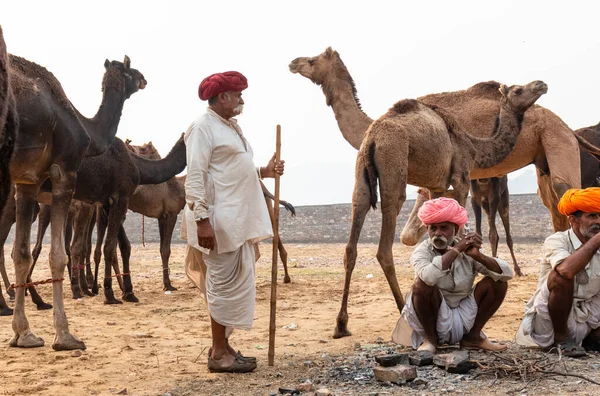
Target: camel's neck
{"x": 159, "y": 171}
{"x": 353, "y": 122}
{"x": 102, "y": 128}
{"x": 496, "y": 148}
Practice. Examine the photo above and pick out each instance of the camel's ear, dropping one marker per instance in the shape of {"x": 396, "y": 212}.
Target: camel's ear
{"x": 106, "y": 64}
{"x": 127, "y": 141}
{"x": 503, "y": 90}
{"x": 127, "y": 62}
{"x": 329, "y": 52}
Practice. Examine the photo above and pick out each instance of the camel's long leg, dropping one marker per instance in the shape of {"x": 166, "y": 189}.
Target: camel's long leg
{"x": 89, "y": 276}
{"x": 360, "y": 208}
{"x": 280, "y": 247}
{"x": 22, "y": 259}
{"x": 476, "y": 205}
{"x": 125, "y": 247}
{"x": 43, "y": 223}
{"x": 6, "y": 221}
{"x": 116, "y": 216}
{"x": 166, "y": 225}
{"x": 494, "y": 201}
{"x": 63, "y": 186}
{"x": 81, "y": 225}
{"x": 101, "y": 221}
{"x": 504, "y": 210}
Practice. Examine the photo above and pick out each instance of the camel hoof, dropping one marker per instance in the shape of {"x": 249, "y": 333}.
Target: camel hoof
{"x": 343, "y": 332}
{"x": 88, "y": 293}
{"x": 43, "y": 306}
{"x": 5, "y": 311}
{"x": 287, "y": 279}
{"x": 28, "y": 340}
{"x": 518, "y": 272}
{"x": 77, "y": 295}
{"x": 169, "y": 288}
{"x": 95, "y": 290}
{"x": 112, "y": 301}
{"x": 11, "y": 294}
{"x": 130, "y": 297}
{"x": 67, "y": 342}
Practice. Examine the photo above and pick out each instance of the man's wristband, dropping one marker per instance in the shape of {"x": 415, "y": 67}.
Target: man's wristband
{"x": 455, "y": 249}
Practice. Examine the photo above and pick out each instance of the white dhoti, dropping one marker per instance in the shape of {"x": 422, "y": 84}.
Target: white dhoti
{"x": 452, "y": 323}
{"x": 536, "y": 329}
{"x": 227, "y": 283}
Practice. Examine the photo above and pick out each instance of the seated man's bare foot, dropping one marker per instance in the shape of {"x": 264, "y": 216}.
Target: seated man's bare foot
{"x": 427, "y": 346}
{"x": 482, "y": 343}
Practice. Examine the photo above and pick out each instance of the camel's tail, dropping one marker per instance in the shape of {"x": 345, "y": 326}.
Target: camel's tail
{"x": 371, "y": 174}
{"x": 288, "y": 206}
{"x": 589, "y": 147}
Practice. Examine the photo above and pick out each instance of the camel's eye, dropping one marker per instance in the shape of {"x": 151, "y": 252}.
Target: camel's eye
{"x": 518, "y": 91}
{"x": 311, "y": 62}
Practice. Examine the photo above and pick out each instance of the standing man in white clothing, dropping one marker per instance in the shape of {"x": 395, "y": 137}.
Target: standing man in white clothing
{"x": 225, "y": 215}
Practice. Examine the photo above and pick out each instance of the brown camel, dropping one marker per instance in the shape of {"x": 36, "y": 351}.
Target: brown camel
{"x": 590, "y": 166}
{"x": 492, "y": 195}
{"x": 53, "y": 139}
{"x": 397, "y": 150}
{"x": 9, "y": 124}
{"x": 544, "y": 141}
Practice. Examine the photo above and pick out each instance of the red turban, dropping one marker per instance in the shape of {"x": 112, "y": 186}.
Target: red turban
{"x": 441, "y": 210}
{"x": 221, "y": 82}
{"x": 575, "y": 199}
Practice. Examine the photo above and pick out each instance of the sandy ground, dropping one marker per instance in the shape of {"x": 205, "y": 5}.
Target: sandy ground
{"x": 159, "y": 345}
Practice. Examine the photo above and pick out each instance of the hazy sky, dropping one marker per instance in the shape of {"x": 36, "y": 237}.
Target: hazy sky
{"x": 393, "y": 49}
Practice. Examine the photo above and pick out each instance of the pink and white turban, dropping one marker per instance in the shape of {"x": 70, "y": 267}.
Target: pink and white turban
{"x": 440, "y": 210}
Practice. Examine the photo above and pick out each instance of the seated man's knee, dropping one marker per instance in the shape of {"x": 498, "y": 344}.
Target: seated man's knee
{"x": 422, "y": 288}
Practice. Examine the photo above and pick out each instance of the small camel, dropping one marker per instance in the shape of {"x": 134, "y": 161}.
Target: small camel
{"x": 544, "y": 141}
{"x": 53, "y": 139}
{"x": 492, "y": 195}
{"x": 9, "y": 125}
{"x": 397, "y": 150}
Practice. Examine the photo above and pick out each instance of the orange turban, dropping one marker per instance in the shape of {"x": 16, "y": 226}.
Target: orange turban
{"x": 441, "y": 210}
{"x": 586, "y": 200}
{"x": 221, "y": 82}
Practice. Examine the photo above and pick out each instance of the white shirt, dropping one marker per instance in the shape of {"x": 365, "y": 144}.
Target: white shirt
{"x": 456, "y": 282}
{"x": 222, "y": 184}
{"x": 559, "y": 246}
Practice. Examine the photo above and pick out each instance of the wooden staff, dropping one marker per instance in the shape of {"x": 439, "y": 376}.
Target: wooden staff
{"x": 274, "y": 262}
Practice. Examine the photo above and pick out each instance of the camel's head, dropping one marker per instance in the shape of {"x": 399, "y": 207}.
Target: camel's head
{"x": 120, "y": 75}
{"x": 146, "y": 150}
{"x": 522, "y": 97}
{"x": 318, "y": 67}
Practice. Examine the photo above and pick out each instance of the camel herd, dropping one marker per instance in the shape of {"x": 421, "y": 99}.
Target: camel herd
{"x": 72, "y": 173}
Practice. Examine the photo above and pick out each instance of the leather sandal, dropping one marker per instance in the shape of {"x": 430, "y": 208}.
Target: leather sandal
{"x": 239, "y": 355}
{"x": 484, "y": 344}
{"x": 238, "y": 366}
{"x": 570, "y": 348}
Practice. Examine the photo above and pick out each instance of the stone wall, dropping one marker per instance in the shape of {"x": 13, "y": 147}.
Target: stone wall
{"x": 530, "y": 222}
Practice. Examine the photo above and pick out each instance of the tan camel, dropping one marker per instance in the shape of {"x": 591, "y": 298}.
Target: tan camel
{"x": 53, "y": 139}
{"x": 544, "y": 141}
{"x": 397, "y": 150}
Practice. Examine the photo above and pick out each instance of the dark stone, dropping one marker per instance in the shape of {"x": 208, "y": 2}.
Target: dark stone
{"x": 392, "y": 360}
{"x": 421, "y": 358}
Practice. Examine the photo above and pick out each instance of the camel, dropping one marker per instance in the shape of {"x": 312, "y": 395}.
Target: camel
{"x": 53, "y": 139}
{"x": 590, "y": 166}
{"x": 397, "y": 151}
{"x": 492, "y": 195}
{"x": 9, "y": 124}
{"x": 544, "y": 140}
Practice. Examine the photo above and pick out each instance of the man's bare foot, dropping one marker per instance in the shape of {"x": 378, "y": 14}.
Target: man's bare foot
{"x": 483, "y": 343}
{"x": 427, "y": 346}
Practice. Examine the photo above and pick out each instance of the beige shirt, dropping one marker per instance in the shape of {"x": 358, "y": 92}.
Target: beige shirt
{"x": 557, "y": 248}
{"x": 222, "y": 184}
{"x": 456, "y": 282}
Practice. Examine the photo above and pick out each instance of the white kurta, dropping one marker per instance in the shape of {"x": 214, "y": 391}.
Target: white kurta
{"x": 222, "y": 185}
{"x": 536, "y": 329}
{"x": 459, "y": 308}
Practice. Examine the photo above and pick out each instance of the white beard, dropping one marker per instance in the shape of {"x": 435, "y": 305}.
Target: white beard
{"x": 238, "y": 110}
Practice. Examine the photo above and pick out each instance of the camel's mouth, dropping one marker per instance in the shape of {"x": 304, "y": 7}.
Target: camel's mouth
{"x": 142, "y": 83}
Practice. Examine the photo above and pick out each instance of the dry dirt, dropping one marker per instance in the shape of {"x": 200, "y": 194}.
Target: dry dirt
{"x": 159, "y": 345}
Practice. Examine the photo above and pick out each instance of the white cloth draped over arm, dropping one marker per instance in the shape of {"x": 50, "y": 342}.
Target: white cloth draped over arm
{"x": 199, "y": 148}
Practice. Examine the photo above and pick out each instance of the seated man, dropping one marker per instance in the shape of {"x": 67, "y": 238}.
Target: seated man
{"x": 444, "y": 307}
{"x": 564, "y": 312}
